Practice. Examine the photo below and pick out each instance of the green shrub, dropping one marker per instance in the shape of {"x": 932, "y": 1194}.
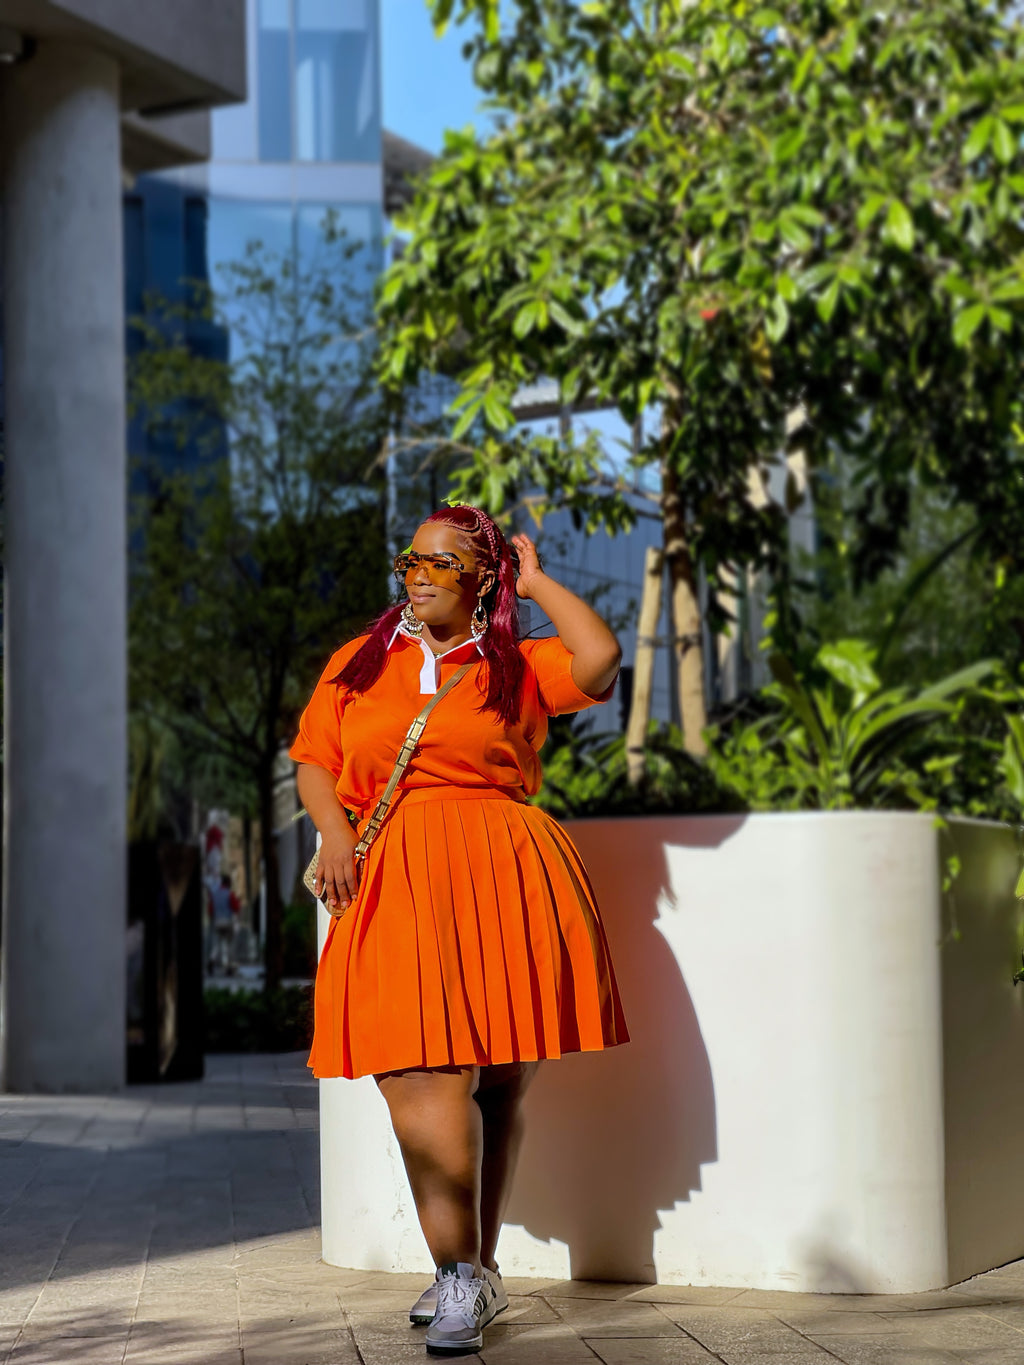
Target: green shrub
{"x": 253, "y": 1021}
{"x": 585, "y": 775}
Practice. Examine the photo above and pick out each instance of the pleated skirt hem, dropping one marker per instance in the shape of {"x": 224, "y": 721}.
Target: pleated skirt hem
{"x": 474, "y": 940}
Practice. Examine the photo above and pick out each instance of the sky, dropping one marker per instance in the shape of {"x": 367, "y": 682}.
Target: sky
{"x": 427, "y": 86}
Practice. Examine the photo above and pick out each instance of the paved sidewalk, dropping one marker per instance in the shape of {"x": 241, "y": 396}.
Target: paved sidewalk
{"x": 178, "y": 1224}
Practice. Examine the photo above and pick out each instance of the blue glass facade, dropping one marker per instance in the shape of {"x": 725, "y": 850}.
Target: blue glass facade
{"x": 165, "y": 255}
{"x": 307, "y": 142}
{"x": 318, "y": 80}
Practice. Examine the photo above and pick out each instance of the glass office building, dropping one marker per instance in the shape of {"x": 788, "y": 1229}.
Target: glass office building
{"x": 307, "y": 141}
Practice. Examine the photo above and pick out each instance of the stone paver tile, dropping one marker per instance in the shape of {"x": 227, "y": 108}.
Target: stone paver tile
{"x": 736, "y": 1329}
{"x": 545, "y": 1344}
{"x": 592, "y": 1289}
{"x": 813, "y": 1355}
{"x": 364, "y": 1302}
{"x": 517, "y": 1284}
{"x": 684, "y": 1293}
{"x": 612, "y": 1317}
{"x": 1010, "y": 1313}
{"x": 527, "y": 1308}
{"x": 196, "y": 1353}
{"x": 990, "y": 1357}
{"x": 44, "y": 1350}
{"x": 825, "y": 1323}
{"x": 16, "y": 1304}
{"x": 896, "y": 1349}
{"x": 847, "y": 1303}
{"x": 651, "y": 1351}
{"x": 962, "y": 1328}
{"x": 298, "y": 1344}
{"x": 383, "y": 1340}
{"x": 409, "y": 1282}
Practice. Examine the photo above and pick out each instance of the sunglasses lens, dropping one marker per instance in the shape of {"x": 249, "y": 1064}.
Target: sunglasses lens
{"x": 439, "y": 568}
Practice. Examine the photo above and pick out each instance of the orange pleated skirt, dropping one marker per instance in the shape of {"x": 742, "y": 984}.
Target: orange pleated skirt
{"x": 474, "y": 939}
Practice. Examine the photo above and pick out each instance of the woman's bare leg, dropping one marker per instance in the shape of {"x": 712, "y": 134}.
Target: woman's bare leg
{"x": 499, "y": 1097}
{"x": 440, "y": 1130}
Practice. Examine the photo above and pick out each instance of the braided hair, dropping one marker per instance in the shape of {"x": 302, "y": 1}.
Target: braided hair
{"x": 479, "y": 535}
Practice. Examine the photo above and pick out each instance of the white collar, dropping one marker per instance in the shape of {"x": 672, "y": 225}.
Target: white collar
{"x": 430, "y": 671}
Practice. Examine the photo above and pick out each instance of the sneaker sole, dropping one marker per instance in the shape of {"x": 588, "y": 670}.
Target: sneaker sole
{"x": 457, "y": 1348}
{"x": 425, "y": 1319}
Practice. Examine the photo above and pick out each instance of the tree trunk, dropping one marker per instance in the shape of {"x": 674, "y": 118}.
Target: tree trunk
{"x": 687, "y": 623}
{"x": 643, "y": 667}
{"x": 273, "y": 956}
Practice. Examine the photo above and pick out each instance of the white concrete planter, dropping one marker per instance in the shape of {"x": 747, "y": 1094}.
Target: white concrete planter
{"x": 823, "y": 1091}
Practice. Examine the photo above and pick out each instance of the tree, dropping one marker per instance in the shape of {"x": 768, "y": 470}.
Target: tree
{"x": 766, "y": 226}
{"x": 250, "y": 567}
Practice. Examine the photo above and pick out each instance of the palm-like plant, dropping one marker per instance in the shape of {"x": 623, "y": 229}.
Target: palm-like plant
{"x": 838, "y": 744}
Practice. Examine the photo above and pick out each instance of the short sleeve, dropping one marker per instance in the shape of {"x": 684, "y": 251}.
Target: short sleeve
{"x": 551, "y": 664}
{"x": 319, "y": 737}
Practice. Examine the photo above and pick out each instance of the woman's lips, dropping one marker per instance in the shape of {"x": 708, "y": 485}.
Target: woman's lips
{"x": 420, "y": 597}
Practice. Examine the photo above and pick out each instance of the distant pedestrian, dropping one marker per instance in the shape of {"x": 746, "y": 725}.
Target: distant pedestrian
{"x": 471, "y": 946}
{"x": 225, "y": 908}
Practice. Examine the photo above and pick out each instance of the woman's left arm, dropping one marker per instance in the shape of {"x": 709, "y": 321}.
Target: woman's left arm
{"x": 595, "y": 651}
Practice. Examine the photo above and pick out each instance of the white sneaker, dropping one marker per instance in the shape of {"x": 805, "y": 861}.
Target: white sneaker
{"x": 465, "y": 1305}
{"x": 425, "y": 1306}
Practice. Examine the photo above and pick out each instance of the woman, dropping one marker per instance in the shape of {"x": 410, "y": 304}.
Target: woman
{"x": 468, "y": 947}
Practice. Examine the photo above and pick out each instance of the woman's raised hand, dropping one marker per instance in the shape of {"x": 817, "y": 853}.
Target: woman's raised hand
{"x": 336, "y": 871}
{"x": 529, "y": 563}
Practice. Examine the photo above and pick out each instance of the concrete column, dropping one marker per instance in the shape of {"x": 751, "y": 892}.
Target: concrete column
{"x": 63, "y": 971}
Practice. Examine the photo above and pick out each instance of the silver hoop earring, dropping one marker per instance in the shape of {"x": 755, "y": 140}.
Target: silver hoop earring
{"x": 409, "y": 619}
{"x": 478, "y": 622}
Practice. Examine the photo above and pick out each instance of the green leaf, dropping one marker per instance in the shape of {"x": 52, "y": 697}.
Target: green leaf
{"x": 793, "y": 233}
{"x": 467, "y": 419}
{"x": 979, "y": 138}
{"x": 828, "y": 302}
{"x": 441, "y": 15}
{"x": 1004, "y": 143}
{"x": 777, "y": 320}
{"x": 526, "y": 319}
{"x": 566, "y": 321}
{"x": 850, "y": 662}
{"x": 870, "y": 209}
{"x": 899, "y": 225}
{"x": 496, "y": 411}
{"x": 967, "y": 323}
{"x": 396, "y": 362}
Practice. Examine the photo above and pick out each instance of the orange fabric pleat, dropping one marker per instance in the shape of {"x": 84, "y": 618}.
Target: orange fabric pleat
{"x": 474, "y": 940}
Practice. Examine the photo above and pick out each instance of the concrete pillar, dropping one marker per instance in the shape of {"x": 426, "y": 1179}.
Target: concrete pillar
{"x": 63, "y": 970}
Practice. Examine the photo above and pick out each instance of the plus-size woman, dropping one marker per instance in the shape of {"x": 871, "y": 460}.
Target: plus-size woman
{"x": 468, "y": 947}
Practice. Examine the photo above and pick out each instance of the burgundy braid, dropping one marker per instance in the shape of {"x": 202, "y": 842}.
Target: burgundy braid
{"x": 500, "y": 644}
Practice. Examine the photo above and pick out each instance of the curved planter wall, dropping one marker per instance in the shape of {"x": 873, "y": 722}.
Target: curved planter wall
{"x": 822, "y": 1092}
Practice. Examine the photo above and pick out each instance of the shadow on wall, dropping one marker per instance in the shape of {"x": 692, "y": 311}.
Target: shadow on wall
{"x": 613, "y": 1137}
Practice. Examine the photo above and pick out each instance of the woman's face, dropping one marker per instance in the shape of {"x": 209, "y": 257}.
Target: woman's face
{"x": 445, "y": 599}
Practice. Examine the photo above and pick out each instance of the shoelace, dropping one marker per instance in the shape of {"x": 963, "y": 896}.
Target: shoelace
{"x": 453, "y": 1292}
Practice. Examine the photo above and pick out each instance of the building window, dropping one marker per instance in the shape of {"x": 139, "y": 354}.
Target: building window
{"x": 274, "y": 54}
{"x": 318, "y": 87}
